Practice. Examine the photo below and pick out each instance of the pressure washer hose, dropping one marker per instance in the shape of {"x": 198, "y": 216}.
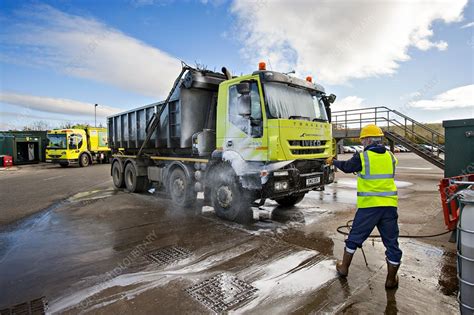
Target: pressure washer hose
{"x": 348, "y": 226}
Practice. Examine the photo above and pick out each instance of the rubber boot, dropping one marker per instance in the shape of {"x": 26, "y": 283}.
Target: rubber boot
{"x": 392, "y": 278}
{"x": 342, "y": 267}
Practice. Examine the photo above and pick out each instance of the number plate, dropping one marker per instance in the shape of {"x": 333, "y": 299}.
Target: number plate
{"x": 312, "y": 181}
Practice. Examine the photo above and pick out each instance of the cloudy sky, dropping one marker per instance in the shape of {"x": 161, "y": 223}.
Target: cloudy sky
{"x": 59, "y": 57}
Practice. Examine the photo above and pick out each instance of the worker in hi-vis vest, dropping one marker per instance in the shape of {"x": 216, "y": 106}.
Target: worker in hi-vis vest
{"x": 377, "y": 201}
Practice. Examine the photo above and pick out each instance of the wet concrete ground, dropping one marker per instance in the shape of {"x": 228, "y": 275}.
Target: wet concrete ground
{"x": 87, "y": 253}
{"x": 36, "y": 186}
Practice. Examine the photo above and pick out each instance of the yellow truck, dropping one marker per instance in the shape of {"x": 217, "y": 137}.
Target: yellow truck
{"x": 238, "y": 139}
{"x": 81, "y": 146}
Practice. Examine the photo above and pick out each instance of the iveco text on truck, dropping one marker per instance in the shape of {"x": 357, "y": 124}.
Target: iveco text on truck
{"x": 81, "y": 146}
{"x": 237, "y": 139}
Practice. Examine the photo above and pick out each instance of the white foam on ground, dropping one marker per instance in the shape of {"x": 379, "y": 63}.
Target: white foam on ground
{"x": 145, "y": 280}
{"x": 280, "y": 290}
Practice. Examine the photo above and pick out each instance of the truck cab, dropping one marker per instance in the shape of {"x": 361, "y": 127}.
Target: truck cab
{"x": 81, "y": 146}
{"x": 279, "y": 126}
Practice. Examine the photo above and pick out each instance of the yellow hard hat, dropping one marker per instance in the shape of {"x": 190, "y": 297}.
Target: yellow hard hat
{"x": 371, "y": 131}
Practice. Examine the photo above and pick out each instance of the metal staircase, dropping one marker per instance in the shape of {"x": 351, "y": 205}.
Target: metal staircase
{"x": 398, "y": 128}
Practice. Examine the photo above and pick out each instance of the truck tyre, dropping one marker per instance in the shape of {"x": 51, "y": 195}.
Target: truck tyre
{"x": 134, "y": 183}
{"x": 117, "y": 175}
{"x": 290, "y": 200}
{"x": 231, "y": 201}
{"x": 84, "y": 160}
{"x": 181, "y": 189}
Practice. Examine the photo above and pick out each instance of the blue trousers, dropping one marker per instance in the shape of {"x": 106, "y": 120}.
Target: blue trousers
{"x": 385, "y": 219}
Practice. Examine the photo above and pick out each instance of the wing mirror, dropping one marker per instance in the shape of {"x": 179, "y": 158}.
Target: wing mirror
{"x": 243, "y": 88}
{"x": 331, "y": 98}
{"x": 244, "y": 105}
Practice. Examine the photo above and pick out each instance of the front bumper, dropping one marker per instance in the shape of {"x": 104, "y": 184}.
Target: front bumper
{"x": 298, "y": 181}
{"x": 62, "y": 161}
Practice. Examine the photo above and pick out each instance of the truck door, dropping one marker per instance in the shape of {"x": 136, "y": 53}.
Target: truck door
{"x": 76, "y": 144}
{"x": 245, "y": 132}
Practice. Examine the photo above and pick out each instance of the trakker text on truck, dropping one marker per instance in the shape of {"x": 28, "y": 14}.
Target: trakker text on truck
{"x": 237, "y": 139}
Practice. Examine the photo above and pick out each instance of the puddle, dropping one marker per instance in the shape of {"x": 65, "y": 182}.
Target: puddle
{"x": 447, "y": 279}
{"x": 14, "y": 234}
{"x": 287, "y": 281}
{"x": 272, "y": 218}
{"x": 50, "y": 240}
{"x": 92, "y": 195}
{"x": 431, "y": 265}
{"x": 22, "y": 231}
{"x": 133, "y": 284}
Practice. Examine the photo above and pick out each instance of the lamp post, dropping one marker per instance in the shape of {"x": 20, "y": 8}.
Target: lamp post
{"x": 95, "y": 114}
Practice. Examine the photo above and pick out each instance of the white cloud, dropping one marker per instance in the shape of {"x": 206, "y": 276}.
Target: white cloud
{"x": 18, "y": 120}
{"x": 347, "y": 103}
{"x": 340, "y": 40}
{"x": 55, "y": 105}
{"x": 471, "y": 24}
{"x": 460, "y": 97}
{"x": 86, "y": 48}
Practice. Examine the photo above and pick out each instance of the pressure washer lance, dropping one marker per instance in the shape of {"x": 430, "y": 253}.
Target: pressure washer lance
{"x": 348, "y": 226}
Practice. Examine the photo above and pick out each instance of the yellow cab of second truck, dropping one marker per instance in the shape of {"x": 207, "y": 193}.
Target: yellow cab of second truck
{"x": 67, "y": 146}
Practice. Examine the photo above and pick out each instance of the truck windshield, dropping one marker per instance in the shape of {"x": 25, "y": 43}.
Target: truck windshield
{"x": 57, "y": 141}
{"x": 289, "y": 102}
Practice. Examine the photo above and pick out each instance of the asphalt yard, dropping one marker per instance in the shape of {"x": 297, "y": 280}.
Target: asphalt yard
{"x": 70, "y": 238}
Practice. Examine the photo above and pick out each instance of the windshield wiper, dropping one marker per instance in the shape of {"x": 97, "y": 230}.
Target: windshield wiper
{"x": 320, "y": 119}
{"x": 299, "y": 117}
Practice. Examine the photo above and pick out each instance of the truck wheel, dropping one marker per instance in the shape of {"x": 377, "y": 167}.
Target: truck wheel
{"x": 84, "y": 160}
{"x": 290, "y": 200}
{"x": 181, "y": 189}
{"x": 231, "y": 202}
{"x": 117, "y": 175}
{"x": 134, "y": 183}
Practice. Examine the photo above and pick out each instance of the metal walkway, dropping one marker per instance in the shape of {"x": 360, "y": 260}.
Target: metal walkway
{"x": 398, "y": 128}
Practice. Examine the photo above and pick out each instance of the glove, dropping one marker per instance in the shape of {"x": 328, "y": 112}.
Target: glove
{"x": 329, "y": 160}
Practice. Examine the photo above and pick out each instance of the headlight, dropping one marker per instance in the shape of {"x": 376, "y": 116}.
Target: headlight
{"x": 281, "y": 185}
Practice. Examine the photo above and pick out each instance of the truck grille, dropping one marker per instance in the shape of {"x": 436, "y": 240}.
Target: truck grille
{"x": 307, "y": 146}
{"x": 306, "y": 151}
{"x": 306, "y": 143}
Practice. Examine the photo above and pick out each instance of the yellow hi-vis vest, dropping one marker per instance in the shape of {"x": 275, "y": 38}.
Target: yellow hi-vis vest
{"x": 376, "y": 183}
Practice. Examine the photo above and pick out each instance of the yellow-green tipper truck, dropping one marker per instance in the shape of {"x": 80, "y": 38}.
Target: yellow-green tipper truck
{"x": 260, "y": 136}
{"x": 81, "y": 146}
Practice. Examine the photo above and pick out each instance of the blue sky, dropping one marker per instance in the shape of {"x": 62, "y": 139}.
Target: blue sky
{"x": 58, "y": 58}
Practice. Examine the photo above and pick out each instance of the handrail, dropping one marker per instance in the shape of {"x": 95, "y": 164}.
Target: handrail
{"x": 417, "y": 123}
{"x": 395, "y": 122}
{"x": 375, "y": 111}
{"x": 381, "y": 116}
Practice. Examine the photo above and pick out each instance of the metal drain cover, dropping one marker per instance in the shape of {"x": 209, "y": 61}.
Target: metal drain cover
{"x": 167, "y": 255}
{"x": 222, "y": 292}
{"x": 38, "y": 306}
